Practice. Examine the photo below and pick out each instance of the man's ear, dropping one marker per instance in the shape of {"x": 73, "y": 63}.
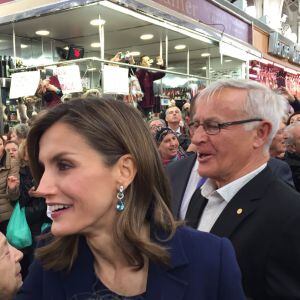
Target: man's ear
{"x": 125, "y": 170}
{"x": 262, "y": 134}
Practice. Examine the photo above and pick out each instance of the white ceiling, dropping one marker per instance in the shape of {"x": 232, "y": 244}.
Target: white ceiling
{"x": 122, "y": 32}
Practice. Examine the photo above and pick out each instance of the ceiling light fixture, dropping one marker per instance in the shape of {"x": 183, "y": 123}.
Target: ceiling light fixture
{"x": 42, "y": 32}
{"x": 147, "y": 36}
{"x": 228, "y": 60}
{"x": 95, "y": 45}
{"x": 97, "y": 22}
{"x": 205, "y": 54}
{"x": 23, "y": 46}
{"x": 203, "y": 68}
{"x": 161, "y": 23}
{"x": 66, "y": 48}
{"x": 180, "y": 47}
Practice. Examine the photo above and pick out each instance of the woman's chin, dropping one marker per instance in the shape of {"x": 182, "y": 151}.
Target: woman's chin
{"x": 58, "y": 231}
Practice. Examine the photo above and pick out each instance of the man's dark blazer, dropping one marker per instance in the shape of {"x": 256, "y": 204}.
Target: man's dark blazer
{"x": 179, "y": 174}
{"x": 202, "y": 266}
{"x": 266, "y": 235}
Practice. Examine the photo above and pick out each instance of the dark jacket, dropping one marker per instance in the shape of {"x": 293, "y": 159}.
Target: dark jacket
{"x": 179, "y": 174}
{"x": 293, "y": 161}
{"x": 265, "y": 235}
{"x": 202, "y": 267}
{"x": 35, "y": 208}
{"x": 146, "y": 79}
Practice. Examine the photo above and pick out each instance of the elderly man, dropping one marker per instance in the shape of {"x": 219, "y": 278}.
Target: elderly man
{"x": 156, "y": 124}
{"x": 10, "y": 269}
{"x": 173, "y": 118}
{"x": 292, "y": 156}
{"x": 241, "y": 198}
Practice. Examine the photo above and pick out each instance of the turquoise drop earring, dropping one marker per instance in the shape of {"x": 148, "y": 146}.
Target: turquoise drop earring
{"x": 120, "y": 196}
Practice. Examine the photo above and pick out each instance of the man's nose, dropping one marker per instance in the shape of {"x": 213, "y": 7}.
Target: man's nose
{"x": 199, "y": 135}
{"x": 17, "y": 254}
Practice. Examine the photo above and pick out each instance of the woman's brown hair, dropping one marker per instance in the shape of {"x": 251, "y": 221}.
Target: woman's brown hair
{"x": 113, "y": 129}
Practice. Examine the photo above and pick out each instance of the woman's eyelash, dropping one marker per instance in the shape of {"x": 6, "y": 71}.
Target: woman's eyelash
{"x": 63, "y": 165}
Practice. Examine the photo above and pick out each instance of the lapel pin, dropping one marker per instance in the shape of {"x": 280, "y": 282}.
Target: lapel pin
{"x": 239, "y": 211}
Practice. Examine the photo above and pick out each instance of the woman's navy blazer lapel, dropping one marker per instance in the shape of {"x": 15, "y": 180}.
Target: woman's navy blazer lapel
{"x": 163, "y": 282}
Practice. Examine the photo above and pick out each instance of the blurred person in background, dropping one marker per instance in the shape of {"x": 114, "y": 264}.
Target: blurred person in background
{"x": 9, "y": 181}
{"x": 168, "y": 145}
{"x": 35, "y": 206}
{"x": 12, "y": 147}
{"x": 174, "y": 121}
{"x": 295, "y": 117}
{"x": 292, "y": 156}
{"x": 293, "y": 102}
{"x": 156, "y": 124}
{"x": 10, "y": 269}
{"x": 277, "y": 152}
{"x": 278, "y": 146}
{"x": 19, "y": 133}
{"x": 115, "y": 239}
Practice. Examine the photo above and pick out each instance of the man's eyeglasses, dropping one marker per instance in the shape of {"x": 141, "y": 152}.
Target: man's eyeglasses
{"x": 213, "y": 127}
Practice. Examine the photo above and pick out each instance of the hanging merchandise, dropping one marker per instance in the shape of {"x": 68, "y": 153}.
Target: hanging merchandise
{"x": 135, "y": 92}
{"x": 18, "y": 232}
{"x": 275, "y": 77}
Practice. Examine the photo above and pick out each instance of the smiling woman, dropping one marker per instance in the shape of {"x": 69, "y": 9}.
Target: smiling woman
{"x": 168, "y": 145}
{"x": 113, "y": 234}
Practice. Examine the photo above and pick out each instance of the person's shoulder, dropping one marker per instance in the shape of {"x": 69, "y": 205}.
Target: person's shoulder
{"x": 181, "y": 163}
{"x": 276, "y": 162}
{"x": 198, "y": 244}
{"x": 283, "y": 197}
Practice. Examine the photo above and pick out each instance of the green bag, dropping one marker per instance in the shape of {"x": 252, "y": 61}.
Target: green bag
{"x": 18, "y": 232}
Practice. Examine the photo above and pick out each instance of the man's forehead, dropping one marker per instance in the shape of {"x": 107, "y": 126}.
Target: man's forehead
{"x": 156, "y": 122}
{"x": 173, "y": 109}
{"x": 222, "y": 101}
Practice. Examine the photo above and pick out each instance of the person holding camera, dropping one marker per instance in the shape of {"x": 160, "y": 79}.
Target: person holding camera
{"x": 146, "y": 79}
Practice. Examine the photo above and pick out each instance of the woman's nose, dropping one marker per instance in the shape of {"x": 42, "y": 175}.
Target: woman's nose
{"x": 46, "y": 184}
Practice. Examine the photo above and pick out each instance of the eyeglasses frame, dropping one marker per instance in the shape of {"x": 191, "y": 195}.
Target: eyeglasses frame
{"x": 226, "y": 124}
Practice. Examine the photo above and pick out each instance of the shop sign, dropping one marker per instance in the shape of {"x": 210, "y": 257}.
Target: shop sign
{"x": 283, "y": 49}
{"x": 69, "y": 79}
{"x": 115, "y": 80}
{"x": 211, "y": 14}
{"x": 24, "y": 84}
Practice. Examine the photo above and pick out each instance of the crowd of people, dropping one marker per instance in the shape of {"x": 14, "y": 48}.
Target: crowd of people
{"x": 202, "y": 204}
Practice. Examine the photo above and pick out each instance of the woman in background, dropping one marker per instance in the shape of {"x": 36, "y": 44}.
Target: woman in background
{"x": 35, "y": 206}
{"x": 168, "y": 145}
{"x": 9, "y": 182}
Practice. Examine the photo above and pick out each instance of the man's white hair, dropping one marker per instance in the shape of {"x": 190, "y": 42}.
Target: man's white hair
{"x": 261, "y": 102}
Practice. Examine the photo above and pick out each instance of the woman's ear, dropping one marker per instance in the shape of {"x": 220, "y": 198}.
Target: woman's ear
{"x": 126, "y": 170}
